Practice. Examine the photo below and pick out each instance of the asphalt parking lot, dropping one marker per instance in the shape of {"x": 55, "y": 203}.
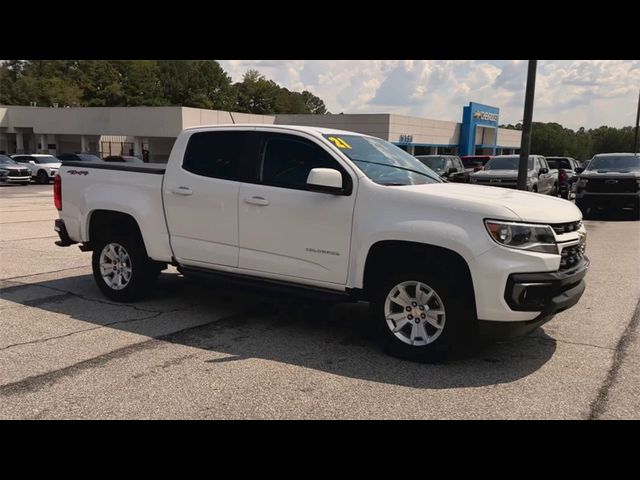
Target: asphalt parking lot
{"x": 201, "y": 352}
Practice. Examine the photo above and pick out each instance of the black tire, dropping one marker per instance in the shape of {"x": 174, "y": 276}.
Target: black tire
{"x": 583, "y": 208}
{"x": 534, "y": 189}
{"x": 142, "y": 275}
{"x": 460, "y": 324}
{"x": 555, "y": 192}
{"x": 42, "y": 178}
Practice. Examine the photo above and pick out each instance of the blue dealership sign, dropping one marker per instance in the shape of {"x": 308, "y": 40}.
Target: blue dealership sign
{"x": 473, "y": 116}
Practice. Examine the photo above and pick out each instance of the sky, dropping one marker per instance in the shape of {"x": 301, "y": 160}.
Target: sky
{"x": 574, "y": 93}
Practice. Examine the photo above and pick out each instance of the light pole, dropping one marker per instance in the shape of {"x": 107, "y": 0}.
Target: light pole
{"x": 525, "y": 143}
{"x": 635, "y": 139}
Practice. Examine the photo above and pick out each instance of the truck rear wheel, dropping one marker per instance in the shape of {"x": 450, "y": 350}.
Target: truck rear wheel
{"x": 121, "y": 268}
{"x": 419, "y": 317}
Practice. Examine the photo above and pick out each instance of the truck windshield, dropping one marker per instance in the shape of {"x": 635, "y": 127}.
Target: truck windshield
{"x": 505, "y": 163}
{"x": 615, "y": 163}
{"x": 436, "y": 164}
{"x": 383, "y": 162}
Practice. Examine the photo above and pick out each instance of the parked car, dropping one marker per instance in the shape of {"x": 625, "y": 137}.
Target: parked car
{"x": 43, "y": 167}
{"x": 475, "y": 163}
{"x": 502, "y": 171}
{"x": 566, "y": 167}
{"x": 449, "y": 167}
{"x": 122, "y": 159}
{"x": 78, "y": 157}
{"x": 611, "y": 181}
{"x": 329, "y": 213}
{"x": 13, "y": 172}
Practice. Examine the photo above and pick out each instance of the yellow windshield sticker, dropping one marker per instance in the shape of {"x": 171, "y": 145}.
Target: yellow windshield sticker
{"x": 338, "y": 142}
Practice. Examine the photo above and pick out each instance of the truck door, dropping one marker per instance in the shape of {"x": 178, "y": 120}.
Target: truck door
{"x": 287, "y": 230}
{"x": 201, "y": 196}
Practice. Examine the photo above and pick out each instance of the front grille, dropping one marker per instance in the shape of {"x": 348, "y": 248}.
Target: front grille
{"x": 571, "y": 256}
{"x": 19, "y": 173}
{"x": 561, "y": 228}
{"x": 612, "y": 185}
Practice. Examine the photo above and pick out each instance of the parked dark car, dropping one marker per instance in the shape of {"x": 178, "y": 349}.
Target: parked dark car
{"x": 79, "y": 157}
{"x": 122, "y": 159}
{"x": 475, "y": 163}
{"x": 449, "y": 167}
{"x": 611, "y": 181}
{"x": 13, "y": 172}
{"x": 566, "y": 167}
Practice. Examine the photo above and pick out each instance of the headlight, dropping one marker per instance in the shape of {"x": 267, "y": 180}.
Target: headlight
{"x": 523, "y": 236}
{"x": 582, "y": 182}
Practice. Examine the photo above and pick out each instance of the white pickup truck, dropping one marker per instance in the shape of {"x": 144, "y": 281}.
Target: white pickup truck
{"x": 308, "y": 210}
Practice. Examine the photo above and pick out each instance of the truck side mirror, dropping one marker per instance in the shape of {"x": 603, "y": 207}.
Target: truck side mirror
{"x": 579, "y": 169}
{"x": 452, "y": 170}
{"x": 326, "y": 180}
{"x": 543, "y": 170}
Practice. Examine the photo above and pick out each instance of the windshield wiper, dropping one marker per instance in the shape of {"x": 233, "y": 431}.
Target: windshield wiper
{"x": 396, "y": 166}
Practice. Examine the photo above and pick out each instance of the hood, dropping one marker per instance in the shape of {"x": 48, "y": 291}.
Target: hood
{"x": 497, "y": 173}
{"x": 51, "y": 165}
{"x": 528, "y": 206}
{"x": 14, "y": 167}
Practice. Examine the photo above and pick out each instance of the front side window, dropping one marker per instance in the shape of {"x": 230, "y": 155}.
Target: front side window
{"x": 383, "y": 162}
{"x": 221, "y": 154}
{"x": 288, "y": 159}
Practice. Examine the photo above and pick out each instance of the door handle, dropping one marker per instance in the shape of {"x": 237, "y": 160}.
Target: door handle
{"x": 257, "y": 201}
{"x": 182, "y": 191}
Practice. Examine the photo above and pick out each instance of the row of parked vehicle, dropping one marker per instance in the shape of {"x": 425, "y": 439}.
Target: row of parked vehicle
{"x": 543, "y": 175}
{"x": 22, "y": 168}
{"x": 607, "y": 181}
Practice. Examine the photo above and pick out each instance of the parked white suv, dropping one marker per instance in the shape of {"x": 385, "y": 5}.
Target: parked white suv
{"x": 330, "y": 213}
{"x": 43, "y": 167}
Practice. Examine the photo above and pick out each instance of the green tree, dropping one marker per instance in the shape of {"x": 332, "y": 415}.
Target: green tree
{"x": 313, "y": 104}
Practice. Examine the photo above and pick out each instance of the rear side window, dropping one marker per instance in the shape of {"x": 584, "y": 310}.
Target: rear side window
{"x": 227, "y": 155}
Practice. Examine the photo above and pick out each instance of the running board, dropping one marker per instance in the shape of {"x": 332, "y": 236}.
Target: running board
{"x": 267, "y": 284}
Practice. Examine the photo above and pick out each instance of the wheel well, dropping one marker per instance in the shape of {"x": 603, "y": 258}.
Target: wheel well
{"x": 104, "y": 222}
{"x": 390, "y": 255}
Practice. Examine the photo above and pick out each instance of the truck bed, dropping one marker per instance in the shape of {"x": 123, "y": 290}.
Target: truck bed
{"x": 153, "y": 168}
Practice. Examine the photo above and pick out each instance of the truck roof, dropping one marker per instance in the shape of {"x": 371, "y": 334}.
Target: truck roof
{"x": 300, "y": 128}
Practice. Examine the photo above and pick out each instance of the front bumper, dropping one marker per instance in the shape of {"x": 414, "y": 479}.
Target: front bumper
{"x": 547, "y": 293}
{"x": 16, "y": 179}
{"x": 607, "y": 200}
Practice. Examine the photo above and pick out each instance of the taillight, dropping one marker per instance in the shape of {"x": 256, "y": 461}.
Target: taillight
{"x": 563, "y": 176}
{"x": 57, "y": 191}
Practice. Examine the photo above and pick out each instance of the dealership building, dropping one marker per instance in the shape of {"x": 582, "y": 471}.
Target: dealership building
{"x": 150, "y": 132}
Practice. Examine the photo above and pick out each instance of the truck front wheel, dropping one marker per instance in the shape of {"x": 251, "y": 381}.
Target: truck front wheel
{"x": 121, "y": 268}
{"x": 420, "y": 318}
